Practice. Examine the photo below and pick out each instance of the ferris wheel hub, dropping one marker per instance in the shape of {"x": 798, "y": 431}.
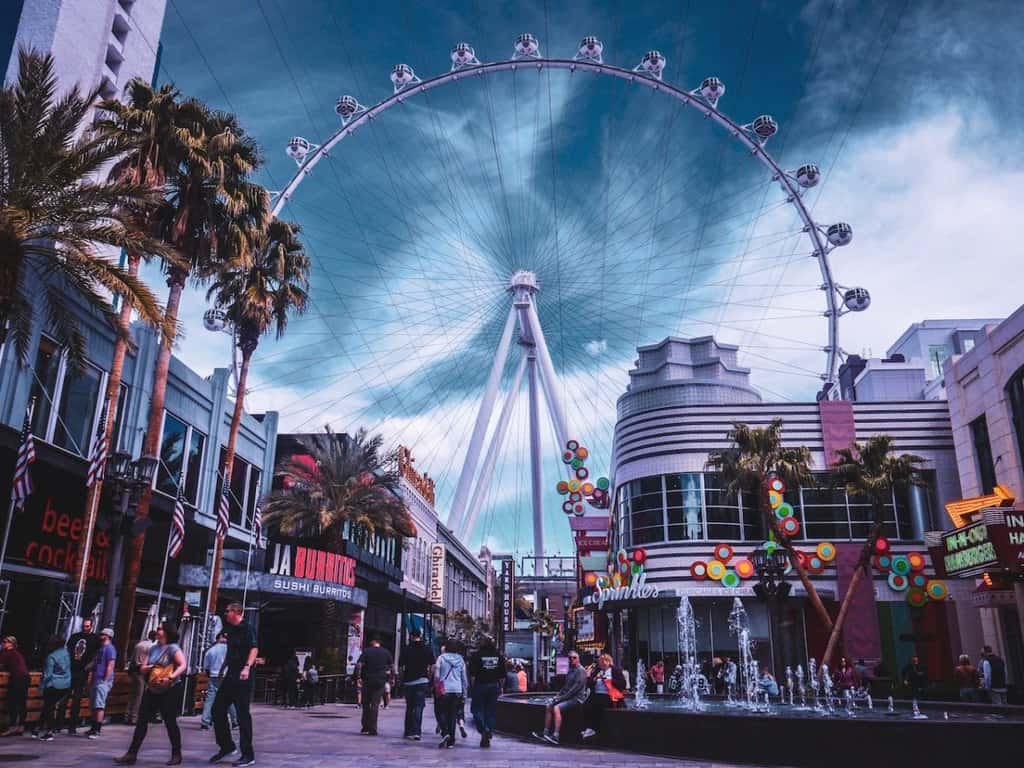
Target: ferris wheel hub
{"x": 523, "y": 279}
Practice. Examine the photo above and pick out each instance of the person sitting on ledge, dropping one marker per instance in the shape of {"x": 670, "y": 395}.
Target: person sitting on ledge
{"x": 767, "y": 683}
{"x": 607, "y": 690}
{"x": 573, "y": 694}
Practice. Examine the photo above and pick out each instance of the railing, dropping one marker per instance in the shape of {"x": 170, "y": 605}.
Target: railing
{"x": 331, "y": 689}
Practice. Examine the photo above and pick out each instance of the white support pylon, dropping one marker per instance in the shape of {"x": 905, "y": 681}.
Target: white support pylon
{"x": 483, "y": 419}
{"x": 536, "y": 479}
{"x": 548, "y": 377}
{"x": 491, "y": 457}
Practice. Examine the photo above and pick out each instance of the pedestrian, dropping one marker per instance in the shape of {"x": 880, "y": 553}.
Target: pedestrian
{"x": 163, "y": 669}
{"x": 607, "y": 687}
{"x": 213, "y": 664}
{"x": 657, "y": 676}
{"x": 140, "y": 657}
{"x": 572, "y": 695}
{"x": 863, "y": 673}
{"x": 915, "y": 677}
{"x": 55, "y": 684}
{"x": 767, "y": 683}
{"x": 965, "y": 675}
{"x": 845, "y": 677}
{"x": 511, "y": 678}
{"x": 385, "y": 699}
{"x": 12, "y": 662}
{"x": 454, "y": 681}
{"x": 310, "y": 682}
{"x": 82, "y": 646}
{"x": 416, "y": 663}
{"x": 375, "y": 666}
{"x": 236, "y": 688}
{"x": 486, "y": 671}
{"x": 101, "y": 682}
{"x": 993, "y": 675}
{"x": 523, "y": 682}
{"x": 290, "y": 677}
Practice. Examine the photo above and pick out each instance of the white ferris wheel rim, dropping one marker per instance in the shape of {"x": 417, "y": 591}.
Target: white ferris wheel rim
{"x": 738, "y": 131}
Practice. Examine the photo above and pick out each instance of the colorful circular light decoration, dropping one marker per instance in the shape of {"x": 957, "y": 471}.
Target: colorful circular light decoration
{"x": 730, "y": 580}
{"x": 827, "y": 551}
{"x": 918, "y": 580}
{"x": 723, "y": 552}
{"x": 582, "y": 473}
{"x": 774, "y": 499}
{"x": 574, "y": 485}
{"x": 898, "y": 581}
{"x": 784, "y": 510}
{"x": 582, "y": 452}
{"x": 640, "y": 555}
{"x": 790, "y": 526}
{"x": 744, "y": 568}
{"x": 576, "y": 463}
{"x": 937, "y": 589}
{"x": 900, "y": 565}
{"x": 567, "y": 507}
{"x": 624, "y": 567}
{"x": 637, "y": 569}
{"x": 699, "y": 570}
{"x": 568, "y": 456}
{"x": 881, "y": 545}
{"x": 916, "y": 560}
{"x": 603, "y": 483}
{"x": 563, "y": 487}
{"x": 622, "y": 556}
{"x": 916, "y": 598}
{"x": 575, "y": 496}
{"x": 598, "y": 494}
{"x": 603, "y": 582}
{"x": 776, "y": 484}
{"x": 801, "y": 557}
{"x": 590, "y": 579}
{"x": 587, "y": 489}
{"x": 770, "y": 546}
{"x": 572, "y": 445}
{"x": 716, "y": 569}
{"x": 616, "y": 580}
{"x": 883, "y": 563}
{"x": 578, "y": 510}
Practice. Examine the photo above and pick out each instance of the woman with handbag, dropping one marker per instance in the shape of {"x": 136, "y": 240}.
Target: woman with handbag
{"x": 163, "y": 672}
{"x": 607, "y": 690}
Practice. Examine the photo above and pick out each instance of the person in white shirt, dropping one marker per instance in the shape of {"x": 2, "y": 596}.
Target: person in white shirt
{"x": 140, "y": 657}
{"x": 213, "y": 663}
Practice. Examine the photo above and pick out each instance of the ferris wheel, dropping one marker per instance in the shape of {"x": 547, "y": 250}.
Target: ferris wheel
{"x": 455, "y": 211}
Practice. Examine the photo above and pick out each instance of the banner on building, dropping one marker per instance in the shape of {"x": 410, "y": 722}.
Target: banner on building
{"x": 508, "y": 595}
{"x": 435, "y": 594}
{"x": 355, "y": 642}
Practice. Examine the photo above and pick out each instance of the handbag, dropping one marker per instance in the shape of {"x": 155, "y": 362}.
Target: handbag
{"x": 613, "y": 693}
{"x": 160, "y": 679}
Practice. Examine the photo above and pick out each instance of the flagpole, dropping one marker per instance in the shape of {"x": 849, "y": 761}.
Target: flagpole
{"x": 163, "y": 574}
{"x": 7, "y": 533}
{"x": 90, "y": 525}
{"x": 248, "y": 564}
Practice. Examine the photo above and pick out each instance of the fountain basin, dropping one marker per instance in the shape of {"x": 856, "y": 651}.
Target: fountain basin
{"x": 794, "y": 738}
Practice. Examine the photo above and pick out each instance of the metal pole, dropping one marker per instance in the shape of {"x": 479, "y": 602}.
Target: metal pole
{"x": 117, "y": 554}
{"x": 248, "y": 565}
{"x": 90, "y": 526}
{"x": 163, "y": 575}
{"x": 535, "y": 469}
{"x": 483, "y": 418}
{"x": 550, "y": 380}
{"x": 7, "y": 534}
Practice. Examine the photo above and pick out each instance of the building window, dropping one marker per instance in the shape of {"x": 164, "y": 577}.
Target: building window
{"x": 937, "y": 355}
{"x": 646, "y": 510}
{"x": 181, "y": 458}
{"x": 1015, "y": 394}
{"x": 245, "y": 489}
{"x": 983, "y": 454}
{"x": 723, "y": 511}
{"x": 117, "y": 437}
{"x": 72, "y": 424}
{"x": 684, "y": 507}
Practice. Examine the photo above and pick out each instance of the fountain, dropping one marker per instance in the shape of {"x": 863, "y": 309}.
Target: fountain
{"x": 739, "y": 625}
{"x": 826, "y": 688}
{"x": 789, "y": 684}
{"x": 689, "y": 693}
{"x": 640, "y": 700}
{"x": 812, "y": 668}
{"x": 800, "y": 685}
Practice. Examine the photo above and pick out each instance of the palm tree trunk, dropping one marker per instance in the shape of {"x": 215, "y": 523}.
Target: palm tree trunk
{"x": 247, "y": 347}
{"x": 861, "y": 570}
{"x": 111, "y": 396}
{"x": 151, "y": 447}
{"x": 783, "y": 539}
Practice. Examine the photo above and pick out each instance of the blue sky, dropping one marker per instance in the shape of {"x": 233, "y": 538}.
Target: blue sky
{"x": 640, "y": 218}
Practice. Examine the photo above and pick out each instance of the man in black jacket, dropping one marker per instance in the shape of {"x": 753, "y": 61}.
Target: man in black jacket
{"x": 486, "y": 670}
{"x": 82, "y": 646}
{"x": 375, "y": 667}
{"x": 416, "y": 663}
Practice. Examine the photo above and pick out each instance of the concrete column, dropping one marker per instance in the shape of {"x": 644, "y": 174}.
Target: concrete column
{"x": 917, "y": 499}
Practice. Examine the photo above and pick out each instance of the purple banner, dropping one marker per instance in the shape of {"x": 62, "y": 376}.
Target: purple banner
{"x": 860, "y": 631}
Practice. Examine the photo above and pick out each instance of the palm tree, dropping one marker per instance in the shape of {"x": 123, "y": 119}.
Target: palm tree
{"x": 257, "y": 295}
{"x": 340, "y": 482}
{"x": 204, "y": 199}
{"x": 55, "y": 211}
{"x": 870, "y": 470}
{"x": 756, "y": 455}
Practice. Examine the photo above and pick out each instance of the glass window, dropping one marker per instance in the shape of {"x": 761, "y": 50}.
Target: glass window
{"x": 79, "y": 394}
{"x": 239, "y": 469}
{"x": 254, "y": 493}
{"x": 172, "y": 453}
{"x": 937, "y": 354}
{"x": 647, "y": 515}
{"x": 685, "y": 511}
{"x": 196, "y": 444}
{"x": 117, "y": 438}
{"x": 723, "y": 511}
{"x": 1015, "y": 394}
{"x": 983, "y": 454}
{"x": 824, "y": 511}
{"x": 44, "y": 386}
{"x": 968, "y": 344}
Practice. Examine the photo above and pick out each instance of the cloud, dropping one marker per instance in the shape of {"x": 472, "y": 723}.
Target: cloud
{"x": 596, "y": 347}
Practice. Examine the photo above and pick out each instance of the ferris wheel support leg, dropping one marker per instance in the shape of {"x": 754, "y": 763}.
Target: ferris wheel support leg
{"x": 535, "y": 473}
{"x": 491, "y": 457}
{"x": 483, "y": 418}
{"x": 548, "y": 378}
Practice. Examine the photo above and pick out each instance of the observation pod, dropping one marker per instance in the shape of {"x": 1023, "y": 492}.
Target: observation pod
{"x": 653, "y": 63}
{"x": 402, "y": 76}
{"x": 346, "y": 107}
{"x": 463, "y": 55}
{"x": 298, "y": 148}
{"x": 857, "y": 299}
{"x": 214, "y": 320}
{"x": 808, "y": 176}
{"x": 765, "y": 127}
{"x": 712, "y": 89}
{"x": 527, "y": 45}
{"x": 590, "y": 49}
{"x": 839, "y": 234}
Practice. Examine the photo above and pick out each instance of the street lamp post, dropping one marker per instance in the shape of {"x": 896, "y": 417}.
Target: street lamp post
{"x": 773, "y": 588}
{"x": 127, "y": 478}
{"x": 566, "y": 639}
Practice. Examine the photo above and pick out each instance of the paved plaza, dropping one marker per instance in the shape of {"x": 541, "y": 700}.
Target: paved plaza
{"x": 323, "y": 736}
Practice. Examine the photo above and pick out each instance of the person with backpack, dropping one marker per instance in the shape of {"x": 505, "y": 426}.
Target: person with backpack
{"x": 487, "y": 670}
{"x": 993, "y": 676}
{"x": 416, "y": 663}
{"x": 55, "y": 685}
{"x": 452, "y": 683}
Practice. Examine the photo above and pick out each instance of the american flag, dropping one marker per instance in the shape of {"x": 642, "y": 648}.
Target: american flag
{"x": 223, "y": 510}
{"x": 21, "y": 488}
{"x": 98, "y": 455}
{"x": 176, "y": 540}
{"x": 257, "y": 527}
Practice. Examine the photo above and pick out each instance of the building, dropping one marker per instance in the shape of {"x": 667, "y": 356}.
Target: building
{"x": 683, "y": 398}
{"x": 468, "y": 580}
{"x": 985, "y": 386}
{"x": 96, "y": 44}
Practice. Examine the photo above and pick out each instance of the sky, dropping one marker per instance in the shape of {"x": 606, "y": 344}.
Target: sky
{"x": 640, "y": 218}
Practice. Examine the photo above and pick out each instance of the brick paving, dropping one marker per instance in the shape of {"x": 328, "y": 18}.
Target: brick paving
{"x": 322, "y": 737}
